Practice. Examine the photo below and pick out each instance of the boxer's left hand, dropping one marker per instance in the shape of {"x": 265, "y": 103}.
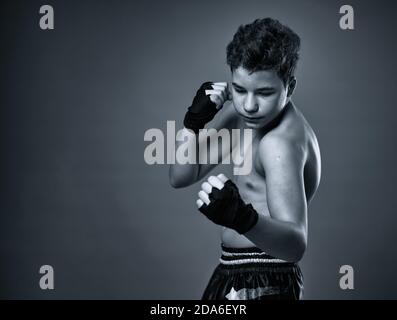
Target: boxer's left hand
{"x": 220, "y": 201}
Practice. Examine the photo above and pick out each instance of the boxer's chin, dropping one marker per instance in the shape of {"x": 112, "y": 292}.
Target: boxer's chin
{"x": 254, "y": 124}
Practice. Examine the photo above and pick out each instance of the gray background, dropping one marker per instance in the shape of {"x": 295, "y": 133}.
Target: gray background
{"x": 76, "y": 102}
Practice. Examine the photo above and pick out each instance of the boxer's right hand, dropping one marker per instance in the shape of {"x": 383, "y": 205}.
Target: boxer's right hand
{"x": 209, "y": 99}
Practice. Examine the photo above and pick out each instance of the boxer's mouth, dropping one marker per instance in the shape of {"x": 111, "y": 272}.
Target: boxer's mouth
{"x": 252, "y": 118}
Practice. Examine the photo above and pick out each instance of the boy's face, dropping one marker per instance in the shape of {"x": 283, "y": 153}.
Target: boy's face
{"x": 257, "y": 97}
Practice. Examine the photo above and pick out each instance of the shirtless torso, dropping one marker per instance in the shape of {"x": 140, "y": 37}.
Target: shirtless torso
{"x": 252, "y": 187}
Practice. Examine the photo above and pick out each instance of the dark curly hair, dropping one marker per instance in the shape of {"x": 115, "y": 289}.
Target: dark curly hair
{"x": 262, "y": 45}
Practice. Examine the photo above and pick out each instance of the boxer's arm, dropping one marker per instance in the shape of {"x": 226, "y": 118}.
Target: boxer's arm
{"x": 284, "y": 233}
{"x": 227, "y": 120}
{"x": 183, "y": 175}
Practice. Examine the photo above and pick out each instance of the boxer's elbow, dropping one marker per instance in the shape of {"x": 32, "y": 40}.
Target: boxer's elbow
{"x": 299, "y": 247}
{"x": 298, "y": 254}
{"x": 176, "y": 181}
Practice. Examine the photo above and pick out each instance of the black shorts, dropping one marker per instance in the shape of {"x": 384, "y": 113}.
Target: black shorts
{"x": 251, "y": 274}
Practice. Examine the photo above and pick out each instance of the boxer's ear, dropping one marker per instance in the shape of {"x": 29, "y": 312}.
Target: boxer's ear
{"x": 291, "y": 86}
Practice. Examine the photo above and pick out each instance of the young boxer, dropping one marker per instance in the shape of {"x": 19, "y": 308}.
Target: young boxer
{"x": 263, "y": 213}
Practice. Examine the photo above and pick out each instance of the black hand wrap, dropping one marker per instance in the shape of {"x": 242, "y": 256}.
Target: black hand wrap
{"x": 201, "y": 111}
{"x": 226, "y": 208}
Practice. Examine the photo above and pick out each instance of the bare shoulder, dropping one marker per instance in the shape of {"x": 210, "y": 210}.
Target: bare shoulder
{"x": 288, "y": 142}
{"x": 277, "y": 149}
{"x": 290, "y": 155}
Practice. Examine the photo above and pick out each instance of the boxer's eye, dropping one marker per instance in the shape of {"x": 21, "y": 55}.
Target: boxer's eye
{"x": 265, "y": 94}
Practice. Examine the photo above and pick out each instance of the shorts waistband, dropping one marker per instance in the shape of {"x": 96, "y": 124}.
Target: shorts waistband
{"x": 234, "y": 256}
